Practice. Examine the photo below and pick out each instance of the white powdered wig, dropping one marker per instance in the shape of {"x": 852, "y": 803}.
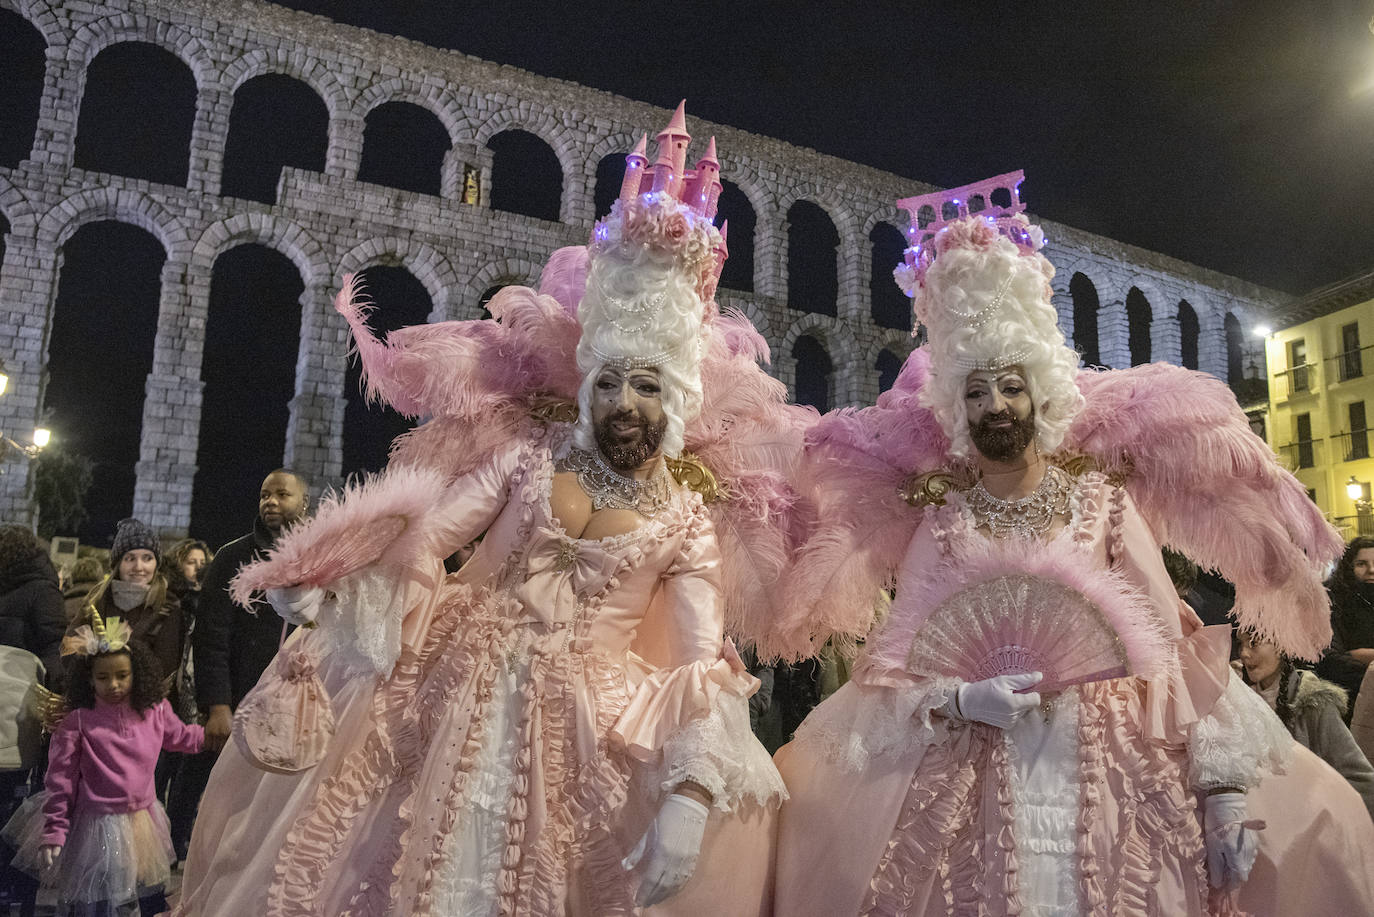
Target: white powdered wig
{"x": 987, "y": 305}
{"x": 641, "y": 310}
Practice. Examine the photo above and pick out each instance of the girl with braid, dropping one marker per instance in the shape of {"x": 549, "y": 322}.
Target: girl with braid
{"x": 1312, "y": 708}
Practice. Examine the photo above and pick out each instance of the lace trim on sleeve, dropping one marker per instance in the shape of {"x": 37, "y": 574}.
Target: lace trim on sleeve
{"x": 719, "y": 753}
{"x": 1238, "y": 742}
{"x": 862, "y": 723}
{"x": 363, "y": 621}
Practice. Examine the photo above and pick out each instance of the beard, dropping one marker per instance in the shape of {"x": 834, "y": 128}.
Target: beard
{"x": 627, "y": 456}
{"x": 1002, "y": 444}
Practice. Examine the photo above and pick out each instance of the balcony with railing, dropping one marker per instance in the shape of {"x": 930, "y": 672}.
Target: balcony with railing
{"x": 1302, "y": 453}
{"x": 1350, "y": 526}
{"x": 1296, "y": 381}
{"x": 1352, "y": 446}
{"x": 1351, "y": 364}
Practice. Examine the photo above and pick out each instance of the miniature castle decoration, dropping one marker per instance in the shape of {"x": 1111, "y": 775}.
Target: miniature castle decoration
{"x": 930, "y": 213}
{"x": 698, "y": 188}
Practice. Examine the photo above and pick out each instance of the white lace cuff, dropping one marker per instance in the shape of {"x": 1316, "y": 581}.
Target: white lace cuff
{"x": 1238, "y": 742}
{"x": 362, "y": 620}
{"x": 719, "y": 753}
{"x": 861, "y": 723}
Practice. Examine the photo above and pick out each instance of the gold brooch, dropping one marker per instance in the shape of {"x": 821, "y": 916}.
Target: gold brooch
{"x": 567, "y": 556}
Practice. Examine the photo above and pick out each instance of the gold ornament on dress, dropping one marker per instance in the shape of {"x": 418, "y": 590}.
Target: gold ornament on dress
{"x": 930, "y": 488}
{"x": 552, "y": 409}
{"x": 689, "y": 471}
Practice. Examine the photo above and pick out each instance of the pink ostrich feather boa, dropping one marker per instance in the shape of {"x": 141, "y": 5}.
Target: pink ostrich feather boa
{"x": 1145, "y": 638}
{"x": 1213, "y": 490}
{"x": 477, "y": 381}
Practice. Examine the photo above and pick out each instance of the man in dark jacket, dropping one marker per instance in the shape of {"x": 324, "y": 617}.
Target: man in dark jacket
{"x": 233, "y": 645}
{"x": 32, "y": 614}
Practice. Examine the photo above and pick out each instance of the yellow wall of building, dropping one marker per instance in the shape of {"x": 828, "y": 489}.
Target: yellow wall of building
{"x": 1327, "y": 402}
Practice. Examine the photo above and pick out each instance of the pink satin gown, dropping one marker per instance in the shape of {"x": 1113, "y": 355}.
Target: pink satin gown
{"x": 544, "y": 699}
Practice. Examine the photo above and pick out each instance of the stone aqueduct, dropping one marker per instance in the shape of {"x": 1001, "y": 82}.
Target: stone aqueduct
{"x": 328, "y": 222}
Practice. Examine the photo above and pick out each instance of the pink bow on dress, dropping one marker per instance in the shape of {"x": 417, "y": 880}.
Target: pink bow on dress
{"x": 560, "y": 570}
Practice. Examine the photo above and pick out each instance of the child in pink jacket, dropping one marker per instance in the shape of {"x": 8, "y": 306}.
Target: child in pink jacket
{"x": 97, "y": 837}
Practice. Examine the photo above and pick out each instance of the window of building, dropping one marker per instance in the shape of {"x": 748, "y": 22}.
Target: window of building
{"x": 1303, "y": 441}
{"x": 1351, "y": 367}
{"x": 1359, "y": 432}
{"x": 1297, "y": 365}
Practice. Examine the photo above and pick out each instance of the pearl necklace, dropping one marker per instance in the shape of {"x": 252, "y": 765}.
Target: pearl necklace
{"x": 608, "y": 488}
{"x": 1028, "y": 518}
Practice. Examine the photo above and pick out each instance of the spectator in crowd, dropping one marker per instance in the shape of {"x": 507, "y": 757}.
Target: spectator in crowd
{"x": 31, "y": 611}
{"x": 1312, "y": 708}
{"x": 184, "y": 566}
{"x": 233, "y": 645}
{"x": 136, "y": 592}
{"x": 31, "y": 626}
{"x": 1352, "y": 618}
{"x": 1205, "y": 592}
{"x": 87, "y": 573}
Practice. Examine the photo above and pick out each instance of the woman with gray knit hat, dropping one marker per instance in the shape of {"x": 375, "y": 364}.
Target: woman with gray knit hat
{"x": 136, "y": 592}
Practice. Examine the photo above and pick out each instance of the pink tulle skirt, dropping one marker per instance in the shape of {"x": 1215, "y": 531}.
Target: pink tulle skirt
{"x": 111, "y": 858}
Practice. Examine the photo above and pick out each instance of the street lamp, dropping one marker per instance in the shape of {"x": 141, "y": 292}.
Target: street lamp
{"x": 1354, "y": 489}
{"x": 41, "y": 437}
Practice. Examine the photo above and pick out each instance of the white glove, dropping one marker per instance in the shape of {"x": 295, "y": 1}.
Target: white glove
{"x": 672, "y": 844}
{"x": 993, "y": 700}
{"x": 1232, "y": 840}
{"x": 298, "y": 605}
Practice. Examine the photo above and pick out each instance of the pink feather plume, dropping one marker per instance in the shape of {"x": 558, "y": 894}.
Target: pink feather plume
{"x": 378, "y": 520}
{"x": 476, "y": 378}
{"x": 855, "y": 463}
{"x": 1214, "y": 491}
{"x": 751, "y": 439}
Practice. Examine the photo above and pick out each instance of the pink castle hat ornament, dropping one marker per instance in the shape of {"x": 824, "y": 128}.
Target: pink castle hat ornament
{"x": 997, "y": 200}
{"x": 669, "y": 207}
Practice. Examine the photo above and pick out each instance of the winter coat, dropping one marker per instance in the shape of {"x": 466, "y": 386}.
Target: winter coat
{"x": 1352, "y": 627}
{"x": 233, "y": 645}
{"x": 31, "y": 612}
{"x": 1316, "y": 719}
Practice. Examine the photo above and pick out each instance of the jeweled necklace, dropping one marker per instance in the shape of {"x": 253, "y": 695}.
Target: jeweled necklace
{"x": 1031, "y": 516}
{"x": 608, "y": 488}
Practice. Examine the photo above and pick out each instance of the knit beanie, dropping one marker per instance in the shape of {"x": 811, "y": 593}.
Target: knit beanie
{"x": 132, "y": 534}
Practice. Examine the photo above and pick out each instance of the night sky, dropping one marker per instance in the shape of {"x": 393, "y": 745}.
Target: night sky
{"x": 1232, "y": 135}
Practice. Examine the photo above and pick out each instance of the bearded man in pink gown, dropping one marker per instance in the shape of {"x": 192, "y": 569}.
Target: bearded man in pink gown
{"x": 557, "y": 728}
{"x": 1040, "y": 726}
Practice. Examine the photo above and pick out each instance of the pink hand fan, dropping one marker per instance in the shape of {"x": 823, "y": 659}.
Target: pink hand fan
{"x": 1020, "y": 623}
{"x": 1005, "y": 609}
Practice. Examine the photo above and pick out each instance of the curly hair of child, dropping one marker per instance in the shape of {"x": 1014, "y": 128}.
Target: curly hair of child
{"x": 147, "y": 687}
